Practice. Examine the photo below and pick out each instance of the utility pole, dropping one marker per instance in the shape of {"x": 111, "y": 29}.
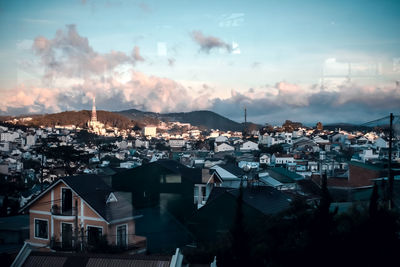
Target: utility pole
{"x": 390, "y": 175}
{"x": 245, "y": 122}
{"x": 76, "y": 225}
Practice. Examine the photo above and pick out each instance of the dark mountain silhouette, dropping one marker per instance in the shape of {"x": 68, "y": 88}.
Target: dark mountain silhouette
{"x": 346, "y": 127}
{"x": 129, "y": 118}
{"x": 79, "y": 118}
{"x": 203, "y": 118}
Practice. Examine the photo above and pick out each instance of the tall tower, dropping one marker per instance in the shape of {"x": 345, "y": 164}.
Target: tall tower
{"x": 94, "y": 115}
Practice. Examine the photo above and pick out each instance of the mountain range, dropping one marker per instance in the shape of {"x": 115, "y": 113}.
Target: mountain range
{"x": 203, "y": 119}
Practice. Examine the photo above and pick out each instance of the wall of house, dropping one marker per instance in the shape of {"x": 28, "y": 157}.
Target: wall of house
{"x": 112, "y": 232}
{"x": 41, "y": 209}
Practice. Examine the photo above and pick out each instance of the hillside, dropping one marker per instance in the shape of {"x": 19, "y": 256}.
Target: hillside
{"x": 346, "y": 127}
{"x": 202, "y": 118}
{"x": 80, "y": 118}
{"x": 128, "y": 118}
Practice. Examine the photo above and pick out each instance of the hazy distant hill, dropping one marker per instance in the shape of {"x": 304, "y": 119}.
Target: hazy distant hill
{"x": 128, "y": 118}
{"x": 201, "y": 118}
{"x": 80, "y": 118}
{"x": 346, "y": 127}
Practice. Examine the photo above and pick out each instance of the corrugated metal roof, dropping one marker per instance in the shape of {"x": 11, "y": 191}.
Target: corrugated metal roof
{"x": 59, "y": 259}
{"x": 104, "y": 262}
{"x": 40, "y": 261}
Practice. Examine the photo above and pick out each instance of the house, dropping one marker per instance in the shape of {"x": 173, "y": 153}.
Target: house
{"x": 150, "y": 131}
{"x": 281, "y": 159}
{"x": 286, "y": 177}
{"x": 381, "y": 143}
{"x": 269, "y": 181}
{"x": 77, "y": 211}
{"x": 265, "y": 159}
{"x": 202, "y": 190}
{"x": 177, "y": 144}
{"x": 214, "y": 220}
{"x": 229, "y": 174}
{"x": 163, "y": 191}
{"x": 249, "y": 146}
{"x": 221, "y": 139}
{"x": 223, "y": 148}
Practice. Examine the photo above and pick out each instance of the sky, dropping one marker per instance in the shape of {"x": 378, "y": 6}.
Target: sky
{"x": 307, "y": 61}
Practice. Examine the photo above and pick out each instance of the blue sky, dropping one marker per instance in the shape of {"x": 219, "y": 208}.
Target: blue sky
{"x": 280, "y": 59}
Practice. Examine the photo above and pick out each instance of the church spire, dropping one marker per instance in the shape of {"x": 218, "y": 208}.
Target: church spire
{"x": 94, "y": 115}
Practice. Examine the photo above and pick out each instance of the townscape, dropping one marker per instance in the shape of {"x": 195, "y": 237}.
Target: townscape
{"x": 175, "y": 133}
{"x": 149, "y": 191}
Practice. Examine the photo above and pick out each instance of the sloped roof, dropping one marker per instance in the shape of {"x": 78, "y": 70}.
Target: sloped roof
{"x": 267, "y": 200}
{"x": 95, "y": 192}
{"x": 37, "y": 258}
{"x": 228, "y": 170}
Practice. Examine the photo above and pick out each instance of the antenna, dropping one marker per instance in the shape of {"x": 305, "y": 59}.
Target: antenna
{"x": 245, "y": 121}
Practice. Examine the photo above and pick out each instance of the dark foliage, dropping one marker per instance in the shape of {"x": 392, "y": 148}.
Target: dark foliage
{"x": 312, "y": 235}
{"x": 81, "y": 118}
{"x": 278, "y": 148}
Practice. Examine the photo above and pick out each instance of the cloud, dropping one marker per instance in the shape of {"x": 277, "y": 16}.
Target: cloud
{"x": 79, "y": 72}
{"x": 352, "y": 103}
{"x": 171, "y": 62}
{"x": 69, "y": 54}
{"x": 207, "y": 43}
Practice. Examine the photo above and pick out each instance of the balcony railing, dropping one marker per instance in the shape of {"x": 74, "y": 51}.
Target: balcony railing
{"x": 56, "y": 210}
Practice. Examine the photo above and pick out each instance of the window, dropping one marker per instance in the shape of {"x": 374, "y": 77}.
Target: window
{"x": 94, "y": 234}
{"x": 173, "y": 178}
{"x": 66, "y": 201}
{"x": 122, "y": 234}
{"x": 41, "y": 229}
{"x": 170, "y": 178}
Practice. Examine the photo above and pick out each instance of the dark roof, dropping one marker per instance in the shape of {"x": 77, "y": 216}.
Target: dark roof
{"x": 376, "y": 167}
{"x": 171, "y": 165}
{"x": 216, "y": 192}
{"x": 232, "y": 168}
{"x": 265, "y": 199}
{"x": 283, "y": 175}
{"x": 95, "y": 192}
{"x": 37, "y": 258}
{"x": 194, "y": 174}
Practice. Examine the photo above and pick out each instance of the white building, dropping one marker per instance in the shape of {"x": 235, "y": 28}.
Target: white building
{"x": 249, "y": 145}
{"x": 223, "y": 147}
{"x": 30, "y": 140}
{"x": 282, "y": 159}
{"x": 150, "y": 131}
{"x": 177, "y": 143}
{"x": 265, "y": 159}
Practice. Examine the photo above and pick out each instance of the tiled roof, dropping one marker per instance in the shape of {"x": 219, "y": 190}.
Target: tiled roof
{"x": 79, "y": 260}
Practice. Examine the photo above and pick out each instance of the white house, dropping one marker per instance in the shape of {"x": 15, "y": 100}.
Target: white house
{"x": 249, "y": 145}
{"x": 282, "y": 159}
{"x": 265, "y": 159}
{"x": 381, "y": 143}
{"x": 150, "y": 131}
{"x": 368, "y": 154}
{"x": 223, "y": 147}
{"x": 177, "y": 143}
{"x": 221, "y": 139}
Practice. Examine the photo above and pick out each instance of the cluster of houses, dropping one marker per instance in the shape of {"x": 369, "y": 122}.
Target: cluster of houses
{"x": 153, "y": 193}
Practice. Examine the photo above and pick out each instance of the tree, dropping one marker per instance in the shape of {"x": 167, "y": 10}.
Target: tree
{"x": 373, "y": 204}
